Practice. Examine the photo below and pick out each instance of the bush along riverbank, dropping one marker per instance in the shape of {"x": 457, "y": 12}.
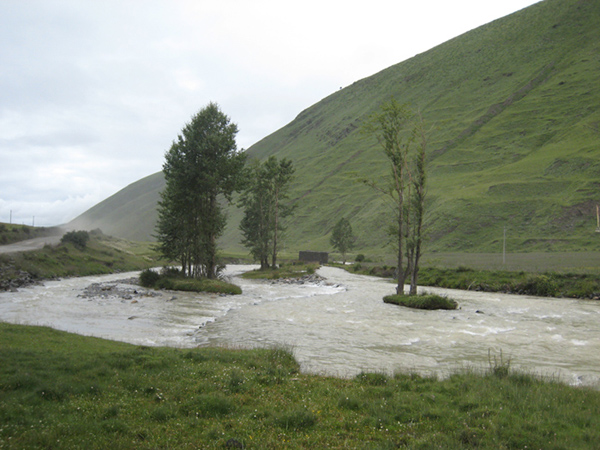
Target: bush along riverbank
{"x": 60, "y": 390}
{"x": 173, "y": 280}
{"x": 101, "y": 254}
{"x": 549, "y": 284}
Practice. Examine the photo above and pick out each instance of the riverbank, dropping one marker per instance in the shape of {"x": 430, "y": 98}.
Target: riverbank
{"x": 338, "y": 327}
{"x": 102, "y": 255}
{"x": 62, "y": 390}
{"x": 582, "y": 285}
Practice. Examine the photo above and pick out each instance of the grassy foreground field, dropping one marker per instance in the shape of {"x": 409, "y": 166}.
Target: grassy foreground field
{"x": 59, "y": 390}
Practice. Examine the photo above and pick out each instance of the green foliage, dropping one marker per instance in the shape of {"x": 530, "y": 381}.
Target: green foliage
{"x": 402, "y": 136}
{"x": 544, "y": 285}
{"x": 263, "y": 200}
{"x": 66, "y": 391}
{"x": 78, "y": 238}
{"x": 540, "y": 285}
{"x": 173, "y": 279}
{"x": 149, "y": 278}
{"x": 422, "y": 301}
{"x": 342, "y": 238}
{"x": 200, "y": 166}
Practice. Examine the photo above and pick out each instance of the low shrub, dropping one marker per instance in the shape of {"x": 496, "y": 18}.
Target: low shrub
{"x": 78, "y": 238}
{"x": 540, "y": 285}
{"x": 165, "y": 283}
{"x": 424, "y": 301}
{"x": 149, "y": 278}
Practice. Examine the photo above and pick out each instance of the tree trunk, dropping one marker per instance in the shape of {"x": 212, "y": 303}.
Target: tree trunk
{"x": 274, "y": 259}
{"x": 401, "y": 274}
{"x": 415, "y": 273}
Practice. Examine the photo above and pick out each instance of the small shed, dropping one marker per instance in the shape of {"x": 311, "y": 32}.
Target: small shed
{"x": 320, "y": 257}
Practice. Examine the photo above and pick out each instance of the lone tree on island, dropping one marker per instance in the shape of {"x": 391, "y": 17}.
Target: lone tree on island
{"x": 342, "y": 239}
{"x": 201, "y": 166}
{"x": 403, "y": 137}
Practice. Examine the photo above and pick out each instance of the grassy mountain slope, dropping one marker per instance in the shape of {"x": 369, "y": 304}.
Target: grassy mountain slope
{"x": 514, "y": 108}
{"x": 129, "y": 214}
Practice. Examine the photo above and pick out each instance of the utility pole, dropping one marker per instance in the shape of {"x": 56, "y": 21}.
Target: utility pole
{"x": 10, "y": 221}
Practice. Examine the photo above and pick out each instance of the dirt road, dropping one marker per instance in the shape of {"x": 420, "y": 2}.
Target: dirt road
{"x": 30, "y": 244}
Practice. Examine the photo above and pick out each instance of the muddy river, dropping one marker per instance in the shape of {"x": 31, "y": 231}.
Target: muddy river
{"x": 337, "y": 327}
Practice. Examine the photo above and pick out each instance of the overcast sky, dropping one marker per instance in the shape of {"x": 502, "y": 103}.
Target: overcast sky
{"x": 93, "y": 92}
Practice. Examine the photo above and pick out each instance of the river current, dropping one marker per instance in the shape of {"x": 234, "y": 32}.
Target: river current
{"x": 339, "y": 327}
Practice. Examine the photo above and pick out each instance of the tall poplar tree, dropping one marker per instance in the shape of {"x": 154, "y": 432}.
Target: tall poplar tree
{"x": 201, "y": 166}
{"x": 403, "y": 139}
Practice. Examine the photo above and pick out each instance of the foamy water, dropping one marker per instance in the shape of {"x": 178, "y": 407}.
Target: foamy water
{"x": 338, "y": 328}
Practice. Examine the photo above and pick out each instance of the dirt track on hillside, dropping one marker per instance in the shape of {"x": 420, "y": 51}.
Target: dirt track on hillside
{"x": 30, "y": 244}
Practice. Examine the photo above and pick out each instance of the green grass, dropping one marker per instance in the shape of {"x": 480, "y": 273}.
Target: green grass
{"x": 102, "y": 255}
{"x": 11, "y": 233}
{"x": 59, "y": 390}
{"x": 172, "y": 279}
{"x": 422, "y": 301}
{"x": 287, "y": 270}
{"x": 568, "y": 274}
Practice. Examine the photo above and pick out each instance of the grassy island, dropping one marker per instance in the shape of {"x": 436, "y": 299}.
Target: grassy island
{"x": 174, "y": 280}
{"x": 292, "y": 269}
{"x": 423, "y": 301}
{"x": 59, "y": 390}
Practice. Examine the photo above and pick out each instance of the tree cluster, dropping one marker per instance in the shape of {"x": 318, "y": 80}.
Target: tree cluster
{"x": 202, "y": 168}
{"x": 263, "y": 200}
{"x": 402, "y": 136}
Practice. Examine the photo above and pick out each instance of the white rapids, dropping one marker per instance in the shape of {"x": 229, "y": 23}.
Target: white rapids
{"x": 337, "y": 328}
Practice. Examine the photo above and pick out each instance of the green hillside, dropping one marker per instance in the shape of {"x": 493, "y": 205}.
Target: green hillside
{"x": 514, "y": 108}
{"x": 129, "y": 214}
